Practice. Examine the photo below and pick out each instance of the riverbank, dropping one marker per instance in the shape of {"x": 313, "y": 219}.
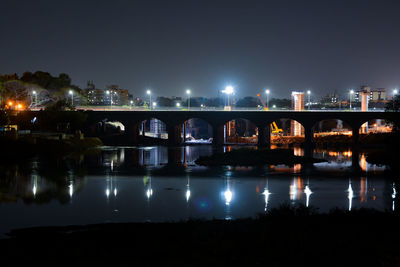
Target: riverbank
{"x": 284, "y": 237}
{"x": 255, "y": 157}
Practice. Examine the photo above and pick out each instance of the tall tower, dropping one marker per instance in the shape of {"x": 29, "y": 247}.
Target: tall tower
{"x": 297, "y": 105}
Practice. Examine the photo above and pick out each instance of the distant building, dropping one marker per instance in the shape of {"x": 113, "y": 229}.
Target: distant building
{"x": 113, "y": 95}
{"x": 374, "y": 95}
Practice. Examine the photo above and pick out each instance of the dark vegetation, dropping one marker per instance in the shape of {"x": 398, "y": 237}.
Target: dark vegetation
{"x": 252, "y": 157}
{"x": 28, "y": 146}
{"x": 287, "y": 236}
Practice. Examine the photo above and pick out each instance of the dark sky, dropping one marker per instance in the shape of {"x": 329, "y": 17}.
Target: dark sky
{"x": 169, "y": 46}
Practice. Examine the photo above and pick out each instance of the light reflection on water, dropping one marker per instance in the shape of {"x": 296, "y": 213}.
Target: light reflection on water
{"x": 123, "y": 185}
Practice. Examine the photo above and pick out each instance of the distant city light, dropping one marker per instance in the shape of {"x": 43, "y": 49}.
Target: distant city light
{"x": 308, "y": 92}
{"x": 267, "y": 91}
{"x": 10, "y": 103}
{"x": 395, "y": 91}
{"x": 274, "y": 106}
{"x": 188, "y": 92}
{"x": 154, "y": 104}
{"x": 178, "y": 104}
{"x": 71, "y": 92}
{"x": 108, "y": 92}
{"x": 148, "y": 92}
{"x": 351, "y": 91}
{"x": 34, "y": 92}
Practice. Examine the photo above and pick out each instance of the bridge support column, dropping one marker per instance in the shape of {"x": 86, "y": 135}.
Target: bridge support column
{"x": 218, "y": 135}
{"x": 308, "y": 142}
{"x": 355, "y": 160}
{"x": 174, "y": 135}
{"x": 264, "y": 136}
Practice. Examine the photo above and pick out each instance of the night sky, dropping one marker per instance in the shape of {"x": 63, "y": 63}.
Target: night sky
{"x": 169, "y": 46}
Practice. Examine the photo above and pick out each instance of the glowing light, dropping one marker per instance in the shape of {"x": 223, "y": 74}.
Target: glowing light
{"x": 107, "y": 192}
{"x": 71, "y": 92}
{"x": 115, "y": 192}
{"x": 350, "y": 195}
{"x": 178, "y": 104}
{"x": 267, "y": 91}
{"x": 393, "y": 196}
{"x": 10, "y": 103}
{"x": 34, "y": 92}
{"x": 71, "y": 189}
{"x": 308, "y": 92}
{"x": 154, "y": 104}
{"x": 308, "y": 193}
{"x": 108, "y": 92}
{"x": 148, "y": 92}
{"x": 149, "y": 193}
{"x": 19, "y": 106}
{"x": 34, "y": 190}
{"x": 266, "y": 194}
{"x": 228, "y": 90}
{"x": 131, "y": 101}
{"x": 228, "y": 196}
{"x": 351, "y": 91}
{"x": 187, "y": 194}
{"x": 274, "y": 106}
{"x": 188, "y": 92}
{"x": 395, "y": 91}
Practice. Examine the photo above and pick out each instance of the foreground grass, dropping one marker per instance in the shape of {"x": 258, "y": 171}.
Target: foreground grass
{"x": 284, "y": 237}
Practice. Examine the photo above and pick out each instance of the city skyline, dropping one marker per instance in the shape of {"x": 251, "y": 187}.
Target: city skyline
{"x": 205, "y": 46}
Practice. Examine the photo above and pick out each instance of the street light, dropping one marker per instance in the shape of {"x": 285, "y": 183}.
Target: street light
{"x": 188, "y": 93}
{"x": 35, "y": 94}
{"x": 154, "y": 105}
{"x": 395, "y": 92}
{"x": 309, "y": 95}
{"x": 148, "y": 92}
{"x": 228, "y": 90}
{"x": 267, "y": 92}
{"x": 110, "y": 93}
{"x": 178, "y": 105}
{"x": 72, "y": 96}
{"x": 131, "y": 103}
{"x": 351, "y": 93}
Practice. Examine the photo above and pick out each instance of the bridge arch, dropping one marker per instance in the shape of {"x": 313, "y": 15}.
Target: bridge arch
{"x": 332, "y": 130}
{"x": 196, "y": 130}
{"x": 285, "y": 131}
{"x": 152, "y": 127}
{"x": 240, "y": 131}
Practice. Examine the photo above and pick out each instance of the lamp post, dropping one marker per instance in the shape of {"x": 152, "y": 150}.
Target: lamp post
{"x": 188, "y": 93}
{"x": 351, "y": 93}
{"x": 72, "y": 96}
{"x": 395, "y": 92}
{"x": 35, "y": 95}
{"x": 228, "y": 90}
{"x": 110, "y": 93}
{"x": 309, "y": 96}
{"x": 267, "y": 92}
{"x": 148, "y": 92}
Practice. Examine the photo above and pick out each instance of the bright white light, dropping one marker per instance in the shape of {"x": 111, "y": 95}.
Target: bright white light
{"x": 266, "y": 194}
{"x": 154, "y": 104}
{"x": 202, "y": 105}
{"x": 395, "y": 91}
{"x": 108, "y": 92}
{"x": 308, "y": 193}
{"x": 34, "y": 190}
{"x": 274, "y": 106}
{"x": 187, "y": 194}
{"x": 267, "y": 91}
{"x": 178, "y": 104}
{"x": 228, "y": 90}
{"x": 115, "y": 192}
{"x": 308, "y": 92}
{"x": 350, "y": 195}
{"x": 34, "y": 92}
{"x": 149, "y": 193}
{"x": 188, "y": 92}
{"x": 351, "y": 91}
{"x": 71, "y": 190}
{"x": 148, "y": 92}
{"x": 107, "y": 192}
{"x": 131, "y": 101}
{"x": 228, "y": 196}
{"x": 71, "y": 92}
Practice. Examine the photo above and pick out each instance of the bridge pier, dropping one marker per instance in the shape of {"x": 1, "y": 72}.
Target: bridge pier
{"x": 174, "y": 135}
{"x": 355, "y": 156}
{"x": 308, "y": 141}
{"x": 264, "y": 136}
{"x": 218, "y": 135}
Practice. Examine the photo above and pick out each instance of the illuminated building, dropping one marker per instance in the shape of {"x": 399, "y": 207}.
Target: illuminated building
{"x": 100, "y": 97}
